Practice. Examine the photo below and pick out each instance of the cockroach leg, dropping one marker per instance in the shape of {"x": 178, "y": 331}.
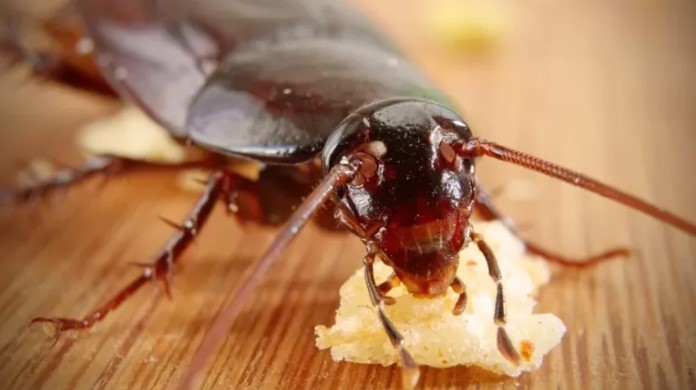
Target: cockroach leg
{"x": 386, "y": 286}
{"x": 460, "y": 288}
{"x": 505, "y": 345}
{"x": 488, "y": 211}
{"x": 97, "y": 165}
{"x": 409, "y": 368}
{"x": 43, "y": 64}
{"x": 64, "y": 178}
{"x": 345, "y": 216}
{"x": 339, "y": 175}
{"x": 219, "y": 184}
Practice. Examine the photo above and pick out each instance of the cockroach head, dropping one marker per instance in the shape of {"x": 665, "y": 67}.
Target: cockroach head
{"x": 379, "y": 127}
{"x": 413, "y": 194}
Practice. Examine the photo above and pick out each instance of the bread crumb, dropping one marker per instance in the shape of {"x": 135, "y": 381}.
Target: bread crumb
{"x": 434, "y": 336}
{"x": 467, "y": 25}
{"x": 526, "y": 350}
{"x": 130, "y": 133}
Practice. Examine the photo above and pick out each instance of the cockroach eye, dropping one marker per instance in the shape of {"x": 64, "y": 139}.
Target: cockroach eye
{"x": 368, "y": 168}
{"x": 376, "y": 148}
{"x": 447, "y": 152}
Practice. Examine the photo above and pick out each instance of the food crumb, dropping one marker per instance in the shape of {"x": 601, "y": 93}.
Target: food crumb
{"x": 432, "y": 334}
{"x": 130, "y": 133}
{"x": 526, "y": 349}
{"x": 467, "y": 25}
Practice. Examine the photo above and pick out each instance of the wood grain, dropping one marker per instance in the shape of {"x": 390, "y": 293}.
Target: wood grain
{"x": 604, "y": 88}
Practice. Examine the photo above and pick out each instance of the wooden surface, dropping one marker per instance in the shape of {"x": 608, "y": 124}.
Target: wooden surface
{"x": 606, "y": 89}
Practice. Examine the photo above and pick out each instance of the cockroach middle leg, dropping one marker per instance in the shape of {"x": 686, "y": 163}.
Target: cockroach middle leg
{"x": 488, "y": 211}
{"x": 505, "y": 345}
{"x": 409, "y": 367}
{"x": 219, "y": 185}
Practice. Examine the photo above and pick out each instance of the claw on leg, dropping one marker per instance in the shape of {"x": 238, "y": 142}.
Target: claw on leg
{"x": 54, "y": 327}
{"x": 410, "y": 373}
{"x": 504, "y": 343}
{"x": 159, "y": 269}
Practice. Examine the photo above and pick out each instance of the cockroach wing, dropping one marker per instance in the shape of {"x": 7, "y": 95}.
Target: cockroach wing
{"x": 291, "y": 76}
{"x": 149, "y": 54}
{"x": 281, "y": 103}
{"x": 267, "y": 79}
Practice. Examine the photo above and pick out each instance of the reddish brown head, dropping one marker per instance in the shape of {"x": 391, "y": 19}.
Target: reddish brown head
{"x": 414, "y": 195}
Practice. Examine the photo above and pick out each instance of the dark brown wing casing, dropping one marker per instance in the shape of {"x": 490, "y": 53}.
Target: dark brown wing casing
{"x": 263, "y": 79}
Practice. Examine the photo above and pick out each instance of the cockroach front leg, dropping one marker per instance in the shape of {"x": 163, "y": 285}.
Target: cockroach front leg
{"x": 220, "y": 185}
{"x": 484, "y": 205}
{"x": 409, "y": 367}
{"x": 504, "y": 343}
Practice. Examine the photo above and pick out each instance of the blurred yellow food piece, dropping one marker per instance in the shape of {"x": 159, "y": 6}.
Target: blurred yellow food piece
{"x": 132, "y": 134}
{"x": 466, "y": 25}
{"x": 434, "y": 336}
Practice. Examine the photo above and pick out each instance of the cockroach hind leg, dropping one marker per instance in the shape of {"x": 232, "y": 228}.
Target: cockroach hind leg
{"x": 46, "y": 183}
{"x": 582, "y": 262}
{"x": 104, "y": 166}
{"x": 164, "y": 278}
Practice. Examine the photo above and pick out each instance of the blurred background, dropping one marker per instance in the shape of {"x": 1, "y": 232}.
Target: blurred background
{"x": 608, "y": 89}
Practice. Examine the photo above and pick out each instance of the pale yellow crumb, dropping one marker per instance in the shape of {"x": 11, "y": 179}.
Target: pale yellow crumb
{"x": 434, "y": 336}
{"x": 247, "y": 168}
{"x": 132, "y": 134}
{"x": 466, "y": 25}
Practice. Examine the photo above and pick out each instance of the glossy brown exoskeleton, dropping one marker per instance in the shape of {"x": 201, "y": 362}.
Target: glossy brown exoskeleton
{"x": 416, "y": 205}
{"x": 283, "y": 82}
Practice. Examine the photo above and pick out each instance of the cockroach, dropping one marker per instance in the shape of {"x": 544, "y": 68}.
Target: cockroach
{"x": 291, "y": 83}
